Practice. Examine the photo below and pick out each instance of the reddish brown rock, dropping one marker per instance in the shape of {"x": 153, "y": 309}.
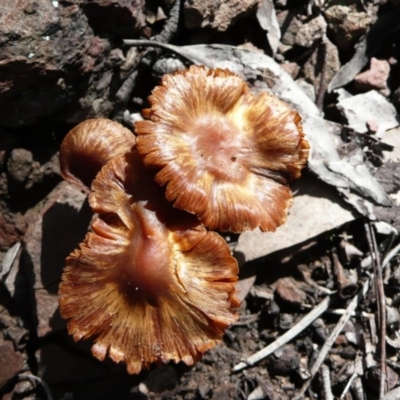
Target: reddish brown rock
{"x": 376, "y": 77}
{"x": 56, "y": 227}
{"x": 310, "y": 32}
{"x": 216, "y": 15}
{"x": 49, "y": 51}
{"x": 346, "y": 25}
{"x": 20, "y": 164}
{"x": 289, "y": 25}
{"x": 291, "y": 68}
{"x": 288, "y": 289}
{"x": 11, "y": 362}
{"x": 12, "y": 225}
{"x": 24, "y": 171}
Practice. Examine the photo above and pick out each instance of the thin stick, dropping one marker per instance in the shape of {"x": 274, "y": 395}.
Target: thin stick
{"x": 148, "y": 58}
{"x": 392, "y": 253}
{"x": 381, "y": 302}
{"x": 348, "y": 385}
{"x": 287, "y": 336}
{"x": 149, "y": 43}
{"x": 322, "y": 80}
{"x": 357, "y": 389}
{"x": 332, "y": 337}
{"x": 326, "y": 381}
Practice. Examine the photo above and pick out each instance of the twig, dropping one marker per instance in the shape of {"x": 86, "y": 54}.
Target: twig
{"x": 392, "y": 253}
{"x": 341, "y": 311}
{"x": 127, "y": 87}
{"x": 151, "y": 43}
{"x": 326, "y": 381}
{"x": 381, "y": 302}
{"x": 287, "y": 336}
{"x": 358, "y": 371}
{"x": 332, "y": 337}
{"x": 357, "y": 389}
{"x": 171, "y": 26}
{"x": 149, "y": 56}
{"x": 322, "y": 80}
{"x": 348, "y": 385}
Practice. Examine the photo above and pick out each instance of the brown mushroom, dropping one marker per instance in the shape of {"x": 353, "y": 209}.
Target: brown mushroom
{"x": 89, "y": 146}
{"x": 149, "y": 283}
{"x": 223, "y": 153}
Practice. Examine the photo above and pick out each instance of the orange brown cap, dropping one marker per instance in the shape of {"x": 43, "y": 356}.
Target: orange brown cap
{"x": 223, "y": 153}
{"x": 149, "y": 283}
{"x": 89, "y": 146}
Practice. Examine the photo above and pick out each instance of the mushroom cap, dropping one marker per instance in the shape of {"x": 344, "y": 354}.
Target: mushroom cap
{"x": 149, "y": 282}
{"x": 89, "y": 146}
{"x": 223, "y": 153}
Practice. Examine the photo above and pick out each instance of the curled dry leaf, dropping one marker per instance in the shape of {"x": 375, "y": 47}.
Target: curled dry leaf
{"x": 149, "y": 283}
{"x": 223, "y": 153}
{"x": 89, "y": 146}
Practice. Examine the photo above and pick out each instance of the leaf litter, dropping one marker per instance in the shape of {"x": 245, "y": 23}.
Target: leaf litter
{"x": 286, "y": 337}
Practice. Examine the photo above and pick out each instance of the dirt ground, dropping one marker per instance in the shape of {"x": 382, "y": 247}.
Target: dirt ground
{"x": 322, "y": 292}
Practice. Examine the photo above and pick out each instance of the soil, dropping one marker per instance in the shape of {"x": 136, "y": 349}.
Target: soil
{"x": 64, "y": 62}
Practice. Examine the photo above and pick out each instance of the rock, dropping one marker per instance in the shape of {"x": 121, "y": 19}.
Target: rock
{"x": 291, "y": 68}
{"x": 56, "y": 227}
{"x": 284, "y": 361}
{"x": 12, "y": 226}
{"x": 289, "y": 25}
{"x": 11, "y": 362}
{"x": 25, "y": 171}
{"x": 375, "y": 77}
{"x": 216, "y": 15}
{"x": 368, "y": 109}
{"x": 43, "y": 73}
{"x": 346, "y": 25}
{"x": 373, "y": 377}
{"x": 308, "y": 88}
{"x": 12, "y": 328}
{"x": 312, "y": 68}
{"x": 310, "y": 32}
{"x": 316, "y": 209}
{"x": 289, "y": 291}
{"x": 122, "y": 18}
{"x": 20, "y": 165}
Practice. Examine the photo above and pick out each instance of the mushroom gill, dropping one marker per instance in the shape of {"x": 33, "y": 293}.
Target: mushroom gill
{"x": 223, "y": 153}
{"x": 148, "y": 283}
{"x": 89, "y": 146}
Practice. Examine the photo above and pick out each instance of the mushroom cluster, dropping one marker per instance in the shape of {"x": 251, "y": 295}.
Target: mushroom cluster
{"x": 152, "y": 282}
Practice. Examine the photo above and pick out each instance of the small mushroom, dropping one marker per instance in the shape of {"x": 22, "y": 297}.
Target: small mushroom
{"x": 89, "y": 146}
{"x": 223, "y": 153}
{"x": 149, "y": 283}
